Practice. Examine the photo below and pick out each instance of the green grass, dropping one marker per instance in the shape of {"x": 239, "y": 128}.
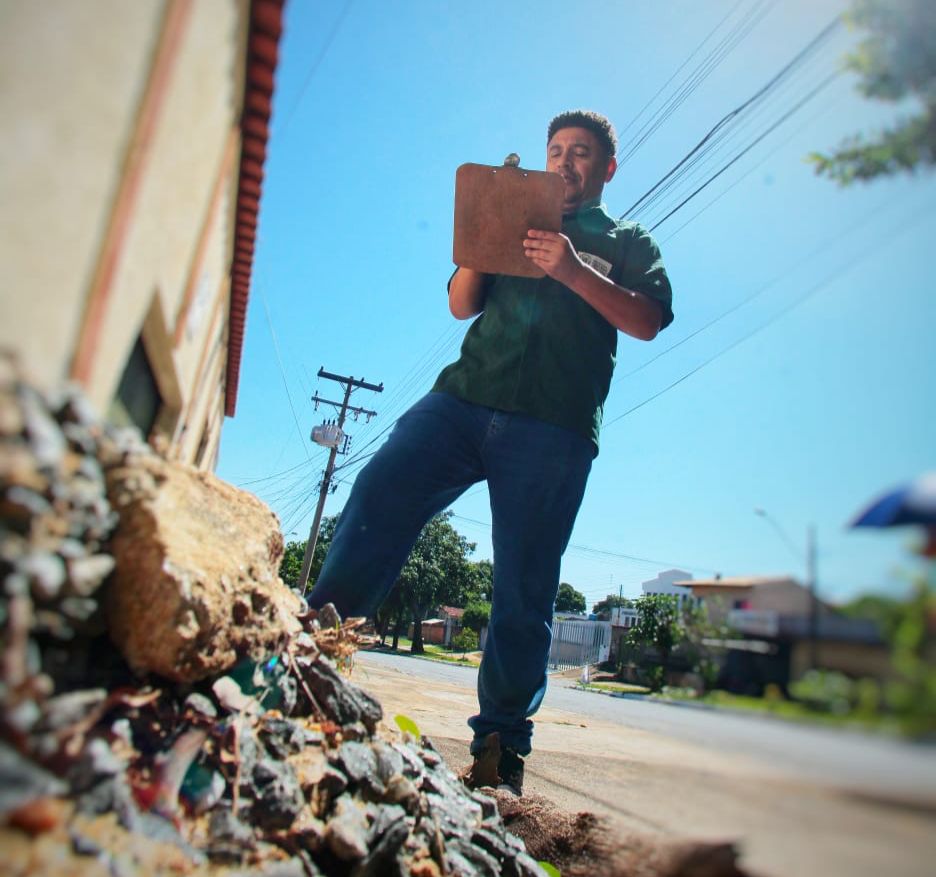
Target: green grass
{"x": 784, "y": 709}
{"x": 457, "y": 658}
{"x": 440, "y": 653}
{"x": 617, "y": 687}
{"x": 436, "y": 652}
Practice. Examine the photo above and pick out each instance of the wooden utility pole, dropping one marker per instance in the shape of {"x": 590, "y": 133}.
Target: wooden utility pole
{"x": 349, "y": 384}
{"x": 813, "y": 598}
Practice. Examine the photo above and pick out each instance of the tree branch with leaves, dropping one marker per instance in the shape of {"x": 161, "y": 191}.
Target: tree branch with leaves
{"x": 896, "y": 62}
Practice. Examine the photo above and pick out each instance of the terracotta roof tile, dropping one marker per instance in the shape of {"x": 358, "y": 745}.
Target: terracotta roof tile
{"x": 266, "y": 27}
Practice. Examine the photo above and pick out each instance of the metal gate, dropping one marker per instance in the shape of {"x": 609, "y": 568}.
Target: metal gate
{"x": 576, "y": 643}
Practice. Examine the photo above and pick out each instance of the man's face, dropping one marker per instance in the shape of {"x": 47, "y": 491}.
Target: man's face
{"x": 577, "y": 154}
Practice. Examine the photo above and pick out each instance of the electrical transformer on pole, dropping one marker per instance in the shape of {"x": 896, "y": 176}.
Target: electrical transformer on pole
{"x": 331, "y": 435}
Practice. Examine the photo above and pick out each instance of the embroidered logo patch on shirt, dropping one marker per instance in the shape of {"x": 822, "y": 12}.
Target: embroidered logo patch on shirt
{"x": 600, "y": 265}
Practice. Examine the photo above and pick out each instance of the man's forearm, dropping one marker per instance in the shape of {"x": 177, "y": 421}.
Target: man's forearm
{"x": 630, "y": 312}
{"x": 466, "y": 294}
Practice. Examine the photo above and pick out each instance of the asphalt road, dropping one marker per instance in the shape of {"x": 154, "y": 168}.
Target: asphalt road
{"x": 801, "y": 801}
{"x": 850, "y": 760}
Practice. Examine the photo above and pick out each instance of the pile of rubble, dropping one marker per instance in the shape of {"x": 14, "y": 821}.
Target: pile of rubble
{"x": 168, "y": 706}
{"x": 158, "y": 676}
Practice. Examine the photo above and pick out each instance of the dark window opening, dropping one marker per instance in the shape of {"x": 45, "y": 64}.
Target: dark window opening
{"x": 137, "y": 401}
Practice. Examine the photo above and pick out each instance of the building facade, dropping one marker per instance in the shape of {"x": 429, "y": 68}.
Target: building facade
{"x": 130, "y": 176}
{"x": 779, "y": 630}
{"x": 756, "y": 595}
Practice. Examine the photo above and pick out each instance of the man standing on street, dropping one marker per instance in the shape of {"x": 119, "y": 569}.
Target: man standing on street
{"x": 521, "y": 408}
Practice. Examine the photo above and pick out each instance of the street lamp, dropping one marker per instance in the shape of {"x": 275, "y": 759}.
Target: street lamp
{"x": 810, "y": 578}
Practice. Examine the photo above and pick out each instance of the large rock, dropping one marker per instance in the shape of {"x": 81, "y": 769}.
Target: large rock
{"x": 196, "y": 585}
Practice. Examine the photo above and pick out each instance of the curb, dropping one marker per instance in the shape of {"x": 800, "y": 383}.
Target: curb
{"x": 410, "y": 655}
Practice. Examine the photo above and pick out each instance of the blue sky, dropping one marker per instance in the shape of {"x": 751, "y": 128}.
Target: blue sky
{"x": 812, "y": 393}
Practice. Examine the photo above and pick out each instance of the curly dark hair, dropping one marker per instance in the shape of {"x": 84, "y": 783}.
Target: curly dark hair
{"x": 598, "y": 124}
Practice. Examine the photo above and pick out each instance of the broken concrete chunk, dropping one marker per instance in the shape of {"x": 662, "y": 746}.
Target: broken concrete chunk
{"x": 46, "y": 574}
{"x": 278, "y": 797}
{"x": 21, "y": 781}
{"x": 45, "y": 437}
{"x": 64, "y": 710}
{"x": 388, "y": 833}
{"x": 201, "y": 705}
{"x": 342, "y": 701}
{"x": 188, "y": 549}
{"x": 346, "y": 832}
{"x": 85, "y": 574}
{"x": 389, "y": 761}
{"x": 230, "y": 696}
{"x": 358, "y": 760}
{"x": 229, "y": 836}
{"x": 328, "y": 617}
{"x": 310, "y": 766}
{"x": 402, "y": 791}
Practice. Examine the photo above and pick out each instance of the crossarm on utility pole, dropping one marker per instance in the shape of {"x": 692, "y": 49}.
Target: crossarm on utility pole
{"x": 341, "y": 379}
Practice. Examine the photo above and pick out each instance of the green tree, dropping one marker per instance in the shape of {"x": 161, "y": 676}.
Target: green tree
{"x": 603, "y": 607}
{"x": 569, "y": 600}
{"x": 887, "y": 612}
{"x": 695, "y": 641}
{"x": 437, "y": 572}
{"x": 465, "y": 641}
{"x": 658, "y": 626}
{"x": 477, "y": 615}
{"x": 895, "y": 61}
{"x": 912, "y": 695}
{"x": 291, "y": 564}
{"x": 482, "y": 580}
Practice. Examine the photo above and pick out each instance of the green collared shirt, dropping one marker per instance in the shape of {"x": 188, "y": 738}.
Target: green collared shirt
{"x": 540, "y": 349}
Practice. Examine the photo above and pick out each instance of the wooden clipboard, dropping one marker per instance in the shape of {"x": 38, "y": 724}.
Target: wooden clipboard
{"x": 494, "y": 209}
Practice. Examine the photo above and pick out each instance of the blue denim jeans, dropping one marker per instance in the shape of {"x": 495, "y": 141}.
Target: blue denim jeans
{"x": 536, "y": 475}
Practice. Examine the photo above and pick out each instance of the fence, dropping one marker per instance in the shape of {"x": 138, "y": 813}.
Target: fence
{"x": 576, "y": 643}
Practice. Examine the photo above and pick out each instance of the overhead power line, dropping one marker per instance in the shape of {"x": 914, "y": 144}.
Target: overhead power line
{"x": 600, "y": 552}
{"x": 316, "y": 62}
{"x": 748, "y": 22}
{"x": 838, "y": 272}
{"x": 360, "y": 457}
{"x": 400, "y": 400}
{"x": 822, "y": 110}
{"x": 282, "y": 371}
{"x": 873, "y": 215}
{"x": 678, "y": 70}
{"x": 295, "y": 493}
{"x": 798, "y": 59}
{"x": 410, "y": 385}
{"x": 274, "y": 475}
{"x": 799, "y": 105}
{"x": 712, "y": 154}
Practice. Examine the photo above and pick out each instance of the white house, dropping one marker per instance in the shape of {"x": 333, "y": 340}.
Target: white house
{"x": 663, "y": 584}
